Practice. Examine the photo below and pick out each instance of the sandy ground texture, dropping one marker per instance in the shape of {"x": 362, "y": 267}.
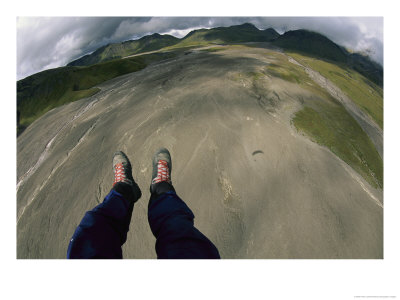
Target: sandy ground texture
{"x": 257, "y": 188}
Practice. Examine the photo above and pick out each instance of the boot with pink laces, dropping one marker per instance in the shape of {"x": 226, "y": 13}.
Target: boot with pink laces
{"x": 161, "y": 178}
{"x": 123, "y": 180}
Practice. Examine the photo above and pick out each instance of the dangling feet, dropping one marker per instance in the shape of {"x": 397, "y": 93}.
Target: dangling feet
{"x": 123, "y": 180}
{"x": 162, "y": 166}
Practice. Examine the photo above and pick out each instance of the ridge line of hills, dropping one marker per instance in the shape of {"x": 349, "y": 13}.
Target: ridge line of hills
{"x": 306, "y": 41}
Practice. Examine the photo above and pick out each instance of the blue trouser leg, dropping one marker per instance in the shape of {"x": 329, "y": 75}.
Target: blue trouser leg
{"x": 103, "y": 230}
{"x": 171, "y": 222}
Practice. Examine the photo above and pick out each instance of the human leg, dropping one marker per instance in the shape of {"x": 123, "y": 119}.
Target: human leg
{"x": 103, "y": 230}
{"x": 171, "y": 220}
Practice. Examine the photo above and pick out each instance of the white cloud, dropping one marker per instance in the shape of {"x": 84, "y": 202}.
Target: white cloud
{"x": 180, "y": 33}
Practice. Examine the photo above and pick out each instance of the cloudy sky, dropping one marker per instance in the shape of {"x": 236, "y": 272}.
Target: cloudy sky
{"x": 50, "y": 42}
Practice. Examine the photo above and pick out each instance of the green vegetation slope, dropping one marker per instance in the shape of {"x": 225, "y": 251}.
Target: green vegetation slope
{"x": 41, "y": 92}
{"x": 365, "y": 93}
{"x": 327, "y": 122}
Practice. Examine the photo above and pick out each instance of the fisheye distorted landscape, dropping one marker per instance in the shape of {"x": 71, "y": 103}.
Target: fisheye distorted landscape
{"x": 276, "y": 140}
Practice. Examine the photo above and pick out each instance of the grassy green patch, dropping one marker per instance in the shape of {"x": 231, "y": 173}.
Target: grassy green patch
{"x": 282, "y": 68}
{"x": 69, "y": 96}
{"x": 41, "y": 92}
{"x": 286, "y": 72}
{"x": 332, "y": 126}
{"x": 366, "y": 94}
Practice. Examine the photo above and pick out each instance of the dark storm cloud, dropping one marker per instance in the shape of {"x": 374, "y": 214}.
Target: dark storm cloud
{"x": 44, "y": 43}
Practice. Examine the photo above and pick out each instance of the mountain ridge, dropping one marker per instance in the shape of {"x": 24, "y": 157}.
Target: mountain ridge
{"x": 111, "y": 51}
{"x": 235, "y": 34}
{"x": 307, "y": 41}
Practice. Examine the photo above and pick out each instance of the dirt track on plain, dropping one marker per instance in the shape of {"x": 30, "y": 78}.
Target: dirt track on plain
{"x": 257, "y": 188}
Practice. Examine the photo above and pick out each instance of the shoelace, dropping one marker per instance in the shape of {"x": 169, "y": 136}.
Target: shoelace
{"x": 162, "y": 172}
{"x": 119, "y": 175}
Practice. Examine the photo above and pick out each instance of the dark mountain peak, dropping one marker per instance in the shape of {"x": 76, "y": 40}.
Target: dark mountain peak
{"x": 247, "y": 26}
{"x": 309, "y": 35}
{"x": 316, "y": 44}
{"x": 304, "y": 33}
{"x": 364, "y": 65}
{"x": 242, "y": 33}
{"x": 151, "y": 36}
{"x": 157, "y": 35}
{"x": 194, "y": 32}
{"x": 271, "y": 32}
{"x": 311, "y": 42}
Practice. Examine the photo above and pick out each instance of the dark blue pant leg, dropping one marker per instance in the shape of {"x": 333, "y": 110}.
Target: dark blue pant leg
{"x": 171, "y": 222}
{"x": 103, "y": 230}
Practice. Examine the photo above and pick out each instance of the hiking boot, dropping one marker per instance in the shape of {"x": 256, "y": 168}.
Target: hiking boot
{"x": 161, "y": 168}
{"x": 123, "y": 180}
